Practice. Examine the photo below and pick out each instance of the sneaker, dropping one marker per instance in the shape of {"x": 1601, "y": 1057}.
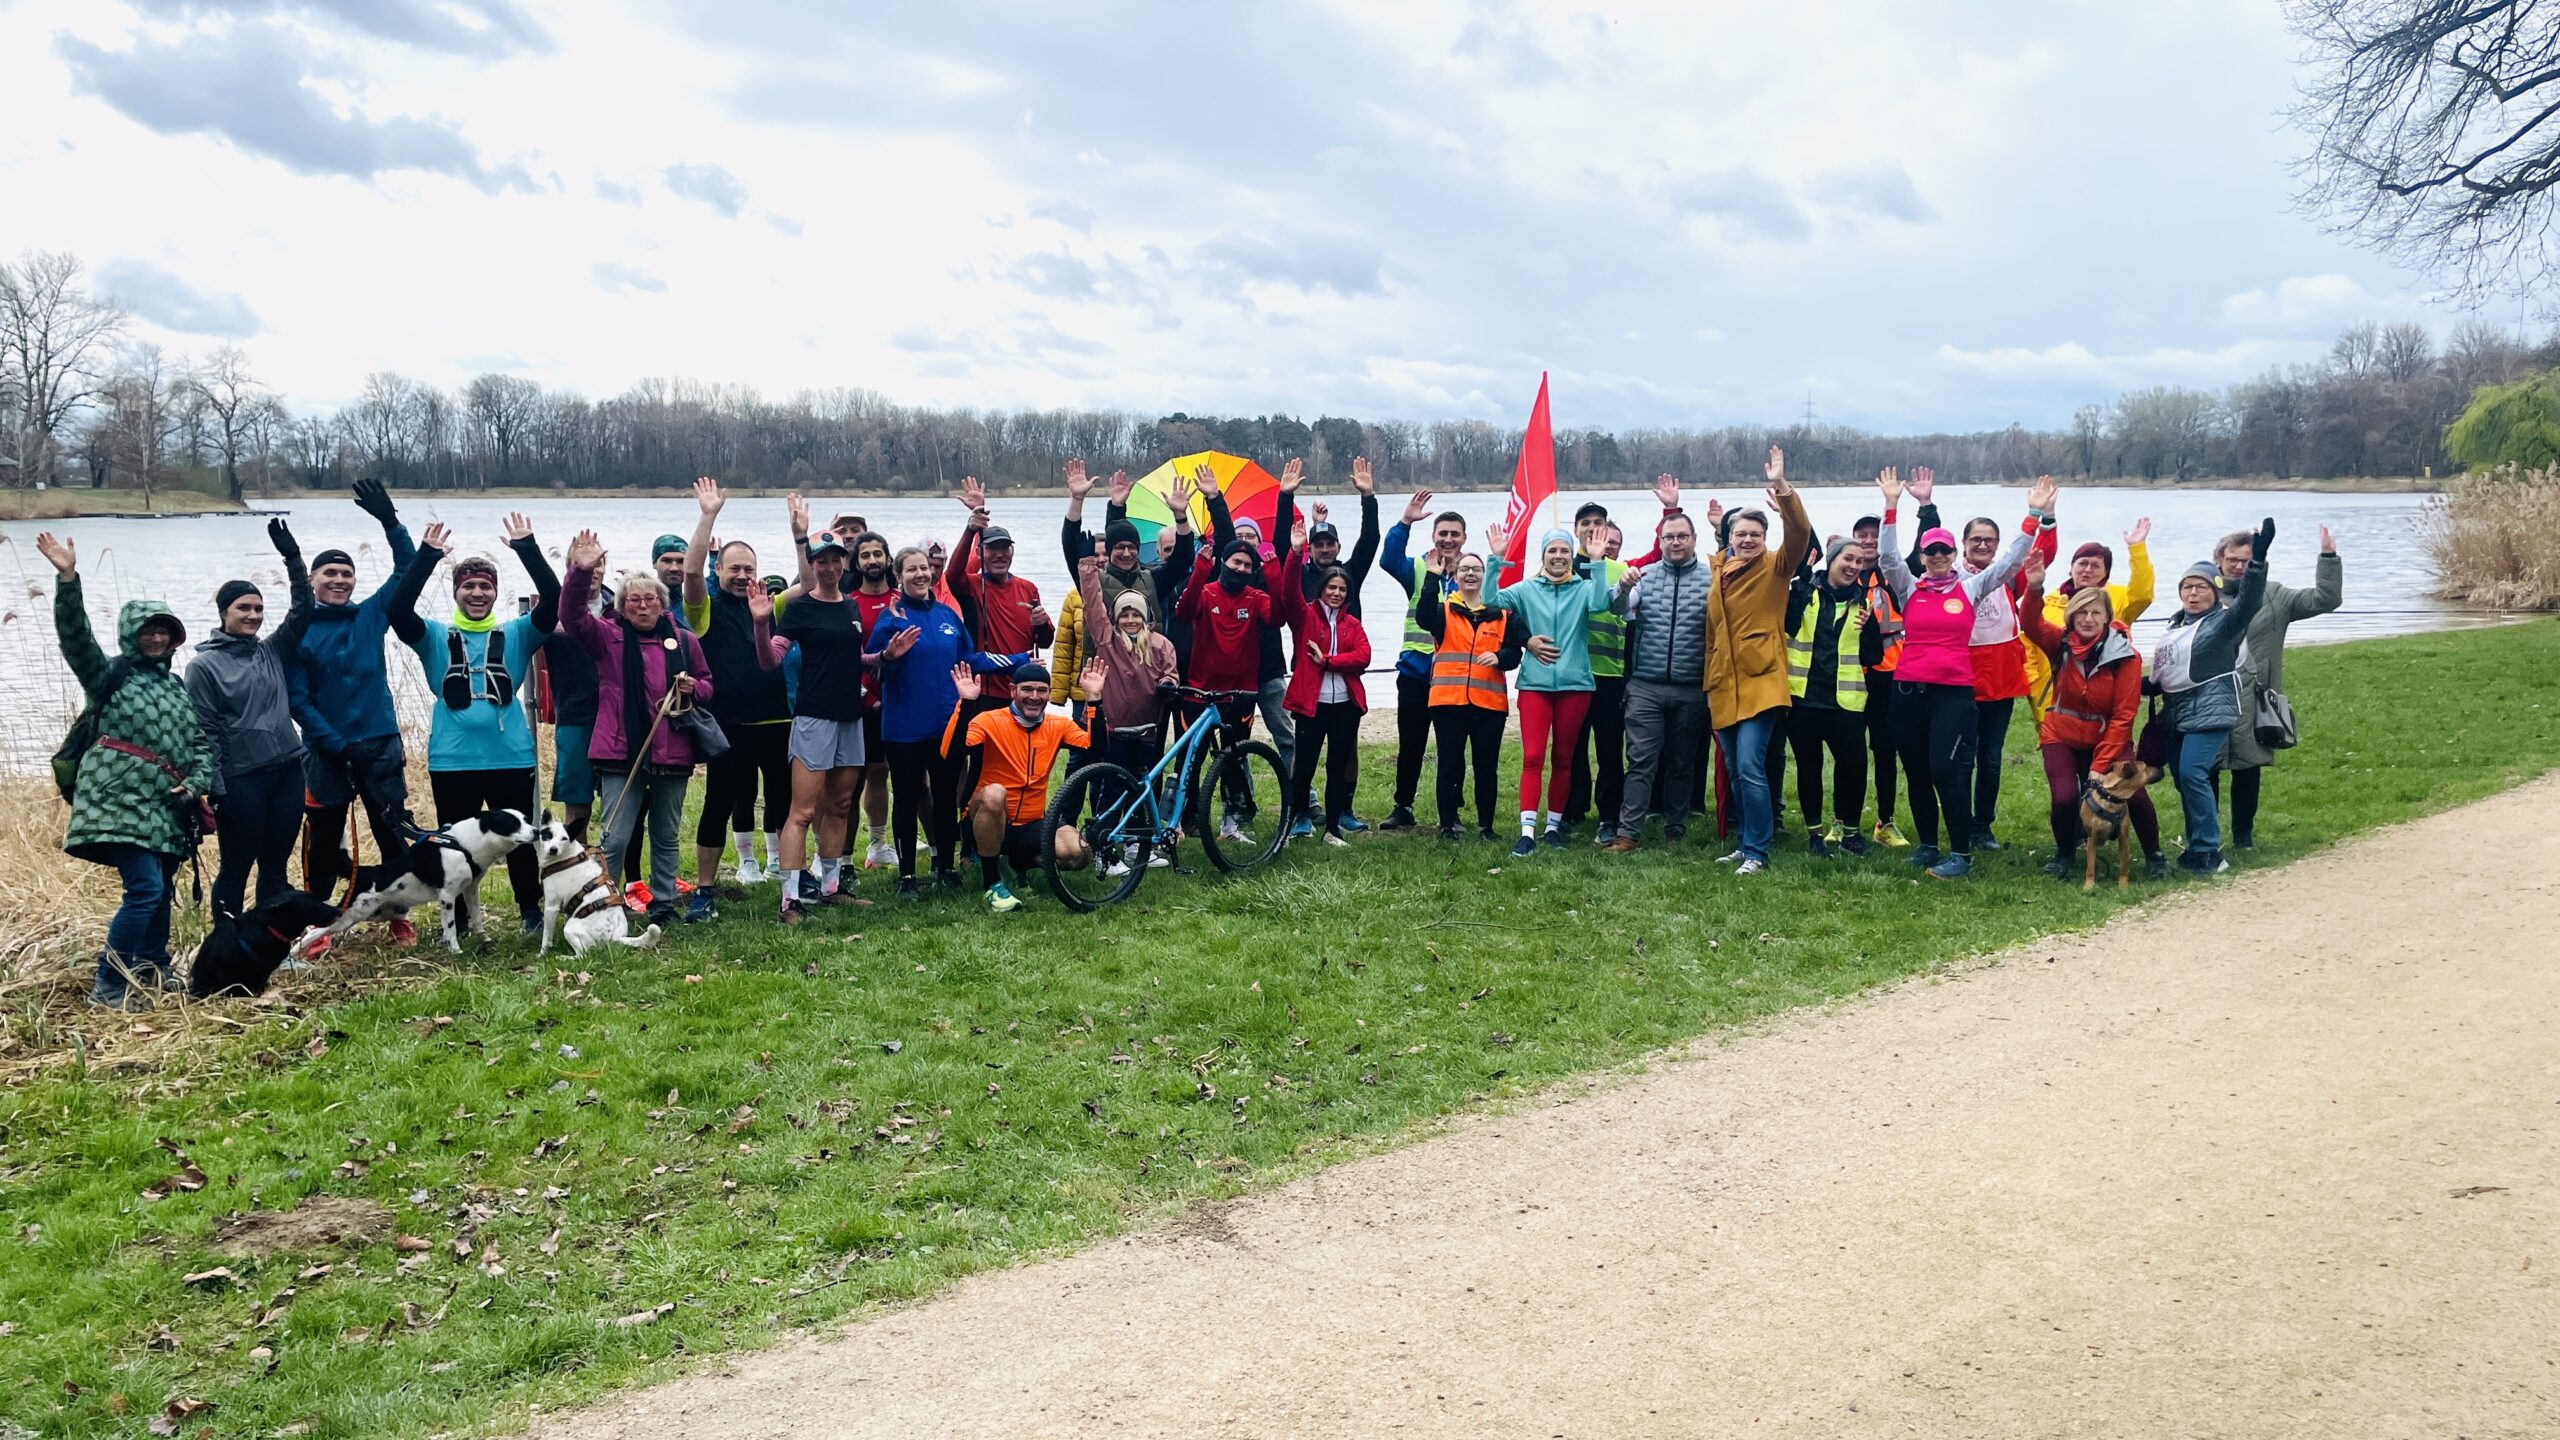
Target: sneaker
{"x": 1302, "y": 828}
{"x": 2061, "y": 866}
{"x": 1889, "y": 835}
{"x": 2213, "y": 862}
{"x": 1400, "y": 818}
{"x": 1353, "y": 824}
{"x": 530, "y": 921}
{"x": 1983, "y": 841}
{"x": 909, "y": 893}
{"x": 404, "y": 932}
{"x": 1556, "y": 837}
{"x": 1731, "y": 857}
{"x": 1601, "y": 837}
{"x": 1954, "y": 867}
{"x": 1118, "y": 868}
{"x": 1488, "y": 835}
{"x": 793, "y": 913}
{"x": 699, "y": 909}
{"x": 842, "y": 895}
{"x": 1854, "y": 843}
{"x": 1334, "y": 839}
{"x": 1449, "y": 832}
{"x": 1815, "y": 845}
{"x": 2244, "y": 840}
{"x": 1231, "y": 829}
{"x": 879, "y": 853}
{"x": 750, "y": 873}
{"x": 120, "y": 998}
{"x": 1674, "y": 834}
{"x": 663, "y": 915}
{"x": 1749, "y": 867}
{"x": 2156, "y": 868}
{"x": 1924, "y": 857}
{"x": 1158, "y": 860}
{"x": 1524, "y": 847}
{"x": 946, "y": 879}
{"x": 1621, "y": 845}
{"x": 1002, "y": 900}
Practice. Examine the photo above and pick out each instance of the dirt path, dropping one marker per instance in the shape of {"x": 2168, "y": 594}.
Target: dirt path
{"x": 2215, "y": 1171}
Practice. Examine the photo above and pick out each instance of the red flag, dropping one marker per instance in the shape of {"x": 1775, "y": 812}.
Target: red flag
{"x": 1533, "y": 489}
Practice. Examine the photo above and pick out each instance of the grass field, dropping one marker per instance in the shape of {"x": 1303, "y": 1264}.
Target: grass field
{"x": 586, "y": 1177}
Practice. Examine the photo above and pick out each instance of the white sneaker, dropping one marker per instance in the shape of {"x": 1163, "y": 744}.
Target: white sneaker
{"x": 749, "y": 873}
{"x": 1749, "y": 867}
{"x": 1157, "y": 860}
{"x": 1336, "y": 841}
{"x": 1231, "y": 828}
{"x": 1116, "y": 869}
{"x": 1732, "y": 858}
{"x": 880, "y": 853}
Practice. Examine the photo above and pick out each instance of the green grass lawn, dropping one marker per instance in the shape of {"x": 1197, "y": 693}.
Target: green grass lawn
{"x": 766, "y": 1129}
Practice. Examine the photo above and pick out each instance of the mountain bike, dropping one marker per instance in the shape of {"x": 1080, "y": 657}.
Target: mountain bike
{"x": 1128, "y": 818}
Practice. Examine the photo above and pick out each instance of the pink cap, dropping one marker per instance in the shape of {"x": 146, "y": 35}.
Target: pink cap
{"x": 1937, "y": 535}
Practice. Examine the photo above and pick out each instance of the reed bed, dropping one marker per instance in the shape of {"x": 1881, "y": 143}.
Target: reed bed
{"x": 2494, "y": 538}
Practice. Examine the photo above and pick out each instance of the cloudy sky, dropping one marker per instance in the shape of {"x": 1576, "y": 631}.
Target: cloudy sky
{"x": 1922, "y": 213}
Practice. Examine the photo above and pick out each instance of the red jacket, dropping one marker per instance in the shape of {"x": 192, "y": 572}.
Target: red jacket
{"x": 2093, "y": 704}
{"x": 1226, "y": 630}
{"x": 1006, "y": 613}
{"x": 1345, "y": 647}
{"x": 1999, "y": 666}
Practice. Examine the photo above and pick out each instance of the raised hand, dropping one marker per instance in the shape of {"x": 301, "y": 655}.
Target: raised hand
{"x": 64, "y": 557}
{"x": 1889, "y": 483}
{"x": 2263, "y": 541}
{"x": 1361, "y": 479}
{"x": 1496, "y": 543}
{"x": 1666, "y": 491}
{"x": 1292, "y": 475}
{"x": 1924, "y": 483}
{"x": 588, "y": 551}
{"x": 1183, "y": 490}
{"x": 2033, "y": 571}
{"x": 706, "y": 493}
{"x": 516, "y": 527}
{"x": 759, "y": 605}
{"x": 2040, "y": 495}
{"x": 1298, "y": 533}
{"x": 1121, "y": 485}
{"x": 1088, "y": 568}
{"x": 904, "y": 641}
{"x": 280, "y": 535}
{"x": 1715, "y": 515}
{"x": 375, "y": 501}
{"x": 1320, "y": 512}
{"x": 798, "y": 510}
{"x": 1205, "y": 477}
{"x": 1416, "y": 508}
{"x": 1079, "y": 484}
{"x": 1090, "y": 682}
{"x": 1776, "y": 469}
{"x": 964, "y": 680}
{"x": 439, "y": 536}
{"x": 2140, "y": 532}
{"x": 973, "y": 496}
{"x": 2328, "y": 546}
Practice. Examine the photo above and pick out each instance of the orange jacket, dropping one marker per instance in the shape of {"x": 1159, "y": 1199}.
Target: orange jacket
{"x": 2096, "y": 692}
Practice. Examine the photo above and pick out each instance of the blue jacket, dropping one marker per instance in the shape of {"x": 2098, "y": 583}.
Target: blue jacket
{"x": 916, "y": 693}
{"x": 340, "y": 688}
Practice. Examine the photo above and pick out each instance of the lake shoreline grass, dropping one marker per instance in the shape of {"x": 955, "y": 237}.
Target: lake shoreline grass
{"x": 769, "y": 1130}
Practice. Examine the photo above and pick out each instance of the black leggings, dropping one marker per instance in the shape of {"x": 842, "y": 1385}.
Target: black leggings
{"x": 1602, "y": 787}
{"x": 261, "y": 814}
{"x": 756, "y": 753}
{"x": 1990, "y": 753}
{"x": 1463, "y": 729}
{"x": 1844, "y": 733}
{"x": 460, "y": 794}
{"x": 1880, "y": 751}
{"x": 1335, "y": 730}
{"x": 1414, "y": 724}
{"x": 1934, "y": 726}
{"x": 2244, "y": 803}
{"x": 922, "y": 778}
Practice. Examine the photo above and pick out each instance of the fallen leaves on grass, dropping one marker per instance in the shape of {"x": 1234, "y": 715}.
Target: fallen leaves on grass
{"x": 650, "y": 1316}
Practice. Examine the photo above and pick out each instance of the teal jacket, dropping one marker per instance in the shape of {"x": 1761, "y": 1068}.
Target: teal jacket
{"x": 1560, "y": 612}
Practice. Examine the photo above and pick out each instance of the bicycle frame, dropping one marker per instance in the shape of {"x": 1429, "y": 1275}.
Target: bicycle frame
{"x": 1111, "y": 825}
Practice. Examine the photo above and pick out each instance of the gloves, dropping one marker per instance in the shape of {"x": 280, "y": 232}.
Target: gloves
{"x": 2259, "y": 542}
{"x": 375, "y": 501}
{"x": 280, "y": 536}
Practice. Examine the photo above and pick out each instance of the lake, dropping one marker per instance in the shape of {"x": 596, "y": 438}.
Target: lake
{"x": 182, "y": 561}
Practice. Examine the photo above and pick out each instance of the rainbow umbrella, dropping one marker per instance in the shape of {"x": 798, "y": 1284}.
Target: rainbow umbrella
{"x": 1252, "y": 494}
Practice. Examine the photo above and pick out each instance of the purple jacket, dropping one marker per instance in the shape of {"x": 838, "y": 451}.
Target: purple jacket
{"x": 603, "y": 639}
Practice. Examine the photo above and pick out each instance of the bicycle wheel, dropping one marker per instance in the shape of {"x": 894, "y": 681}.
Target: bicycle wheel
{"x": 1249, "y": 797}
{"x": 1116, "y": 814}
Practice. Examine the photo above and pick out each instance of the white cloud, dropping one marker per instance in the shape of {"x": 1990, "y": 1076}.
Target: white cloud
{"x": 2303, "y": 301}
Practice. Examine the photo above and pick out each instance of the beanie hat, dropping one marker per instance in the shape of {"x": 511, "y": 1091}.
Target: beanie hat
{"x": 1130, "y": 599}
{"x": 1832, "y": 551}
{"x": 1029, "y": 671}
{"x": 1556, "y": 536}
{"x": 333, "y": 557}
{"x": 231, "y": 590}
{"x": 1238, "y": 547}
{"x": 666, "y": 545}
{"x": 1119, "y": 532}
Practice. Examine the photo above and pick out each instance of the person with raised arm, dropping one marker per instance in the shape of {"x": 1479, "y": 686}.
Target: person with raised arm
{"x": 2266, "y": 713}
{"x": 1933, "y": 700}
{"x": 828, "y": 752}
{"x": 1746, "y": 679}
{"x": 1139, "y": 678}
{"x": 1017, "y": 748}
{"x": 751, "y": 704}
{"x": 2087, "y": 725}
{"x": 2093, "y": 564}
{"x": 1600, "y": 756}
{"x": 914, "y": 648}
{"x": 1554, "y": 605}
{"x": 1229, "y": 606}
{"x": 1426, "y": 583}
{"x": 2200, "y": 669}
{"x": 1325, "y": 693}
{"x": 1003, "y": 608}
{"x": 237, "y": 683}
{"x": 1832, "y": 646}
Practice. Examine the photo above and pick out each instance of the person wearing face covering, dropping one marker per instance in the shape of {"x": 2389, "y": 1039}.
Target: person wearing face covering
{"x": 2201, "y": 667}
{"x": 1554, "y": 605}
{"x": 1229, "y": 610}
{"x": 1933, "y": 686}
{"x": 134, "y": 786}
{"x": 1017, "y": 749}
{"x": 237, "y": 683}
{"x": 480, "y": 748}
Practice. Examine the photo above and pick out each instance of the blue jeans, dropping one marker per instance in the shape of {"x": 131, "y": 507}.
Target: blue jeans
{"x": 139, "y": 933}
{"x": 2191, "y": 766}
{"x": 1746, "y": 749}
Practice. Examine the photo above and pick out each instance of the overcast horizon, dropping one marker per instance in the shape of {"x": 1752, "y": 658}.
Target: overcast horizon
{"x": 1925, "y": 216}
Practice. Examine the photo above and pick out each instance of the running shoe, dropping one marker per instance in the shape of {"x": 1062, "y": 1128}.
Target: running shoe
{"x": 1731, "y": 857}
{"x": 1984, "y": 841}
{"x": 1118, "y": 867}
{"x": 1158, "y": 860}
{"x": 1749, "y": 867}
{"x": 2061, "y": 866}
{"x": 1302, "y": 828}
{"x": 2156, "y": 868}
{"x": 1889, "y": 835}
{"x": 1953, "y": 867}
{"x": 1924, "y": 857}
{"x": 1603, "y": 836}
{"x": 1488, "y": 835}
{"x": 1556, "y": 837}
{"x": 404, "y": 932}
{"x": 879, "y": 853}
{"x": 529, "y": 921}
{"x": 1231, "y": 829}
{"x": 1353, "y": 824}
{"x": 1002, "y": 900}
{"x": 908, "y": 892}
{"x": 945, "y": 878}
{"x": 1524, "y": 847}
{"x": 1400, "y": 818}
{"x": 794, "y": 913}
{"x": 663, "y": 915}
{"x": 1449, "y": 832}
{"x": 749, "y": 873}
{"x": 700, "y": 909}
{"x": 1815, "y": 845}
{"x": 1854, "y": 843}
{"x": 1334, "y": 839}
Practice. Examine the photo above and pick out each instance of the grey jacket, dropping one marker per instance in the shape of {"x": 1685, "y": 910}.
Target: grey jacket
{"x": 238, "y": 686}
{"x": 2214, "y": 702}
{"x": 2284, "y": 605}
{"x": 1667, "y": 624}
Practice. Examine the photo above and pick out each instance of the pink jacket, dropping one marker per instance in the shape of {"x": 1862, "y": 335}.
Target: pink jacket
{"x": 603, "y": 638}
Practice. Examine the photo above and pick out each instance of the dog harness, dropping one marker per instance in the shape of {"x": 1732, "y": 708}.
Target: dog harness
{"x": 592, "y": 898}
{"x": 2105, "y": 806}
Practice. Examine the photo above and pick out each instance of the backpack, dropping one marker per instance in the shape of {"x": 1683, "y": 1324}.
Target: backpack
{"x": 84, "y": 732}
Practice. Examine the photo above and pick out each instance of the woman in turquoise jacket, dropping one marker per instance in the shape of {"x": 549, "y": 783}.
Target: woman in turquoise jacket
{"x": 1556, "y": 606}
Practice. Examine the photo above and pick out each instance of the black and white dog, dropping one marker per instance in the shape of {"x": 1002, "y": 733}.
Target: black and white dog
{"x": 577, "y": 900}
{"x": 443, "y": 869}
{"x": 240, "y": 954}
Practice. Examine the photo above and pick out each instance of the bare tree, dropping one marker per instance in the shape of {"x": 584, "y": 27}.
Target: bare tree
{"x": 2404, "y": 351}
{"x": 501, "y": 405}
{"x": 143, "y": 400}
{"x": 2436, "y": 128}
{"x": 55, "y": 340}
{"x": 232, "y": 398}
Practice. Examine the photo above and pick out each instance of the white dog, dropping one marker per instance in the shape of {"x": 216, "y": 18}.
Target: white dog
{"x": 444, "y": 869}
{"x": 577, "y": 899}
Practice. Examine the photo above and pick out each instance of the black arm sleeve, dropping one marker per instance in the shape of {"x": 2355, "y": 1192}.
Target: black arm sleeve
{"x": 1515, "y": 642}
{"x": 1364, "y": 551}
{"x": 1076, "y": 544}
{"x": 546, "y": 585}
{"x": 402, "y": 608}
{"x": 1430, "y": 611}
{"x": 1928, "y": 522}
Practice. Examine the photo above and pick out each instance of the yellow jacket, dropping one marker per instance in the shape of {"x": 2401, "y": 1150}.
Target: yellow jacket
{"x": 1066, "y": 658}
{"x": 2130, "y": 599}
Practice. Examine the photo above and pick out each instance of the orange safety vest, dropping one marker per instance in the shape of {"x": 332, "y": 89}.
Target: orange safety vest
{"x": 1457, "y": 677}
{"x": 1886, "y": 614}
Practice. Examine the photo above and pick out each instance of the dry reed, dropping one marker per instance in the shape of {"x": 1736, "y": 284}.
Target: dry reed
{"x": 2494, "y": 539}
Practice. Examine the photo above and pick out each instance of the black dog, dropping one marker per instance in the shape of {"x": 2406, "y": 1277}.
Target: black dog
{"x": 241, "y": 954}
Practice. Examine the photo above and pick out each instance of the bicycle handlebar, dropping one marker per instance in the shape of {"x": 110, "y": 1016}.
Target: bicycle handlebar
{"x": 1214, "y": 697}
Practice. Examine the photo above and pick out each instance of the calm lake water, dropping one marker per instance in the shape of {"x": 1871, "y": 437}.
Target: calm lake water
{"x": 183, "y": 561}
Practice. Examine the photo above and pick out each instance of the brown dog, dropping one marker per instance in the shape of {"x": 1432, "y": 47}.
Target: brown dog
{"x": 2104, "y": 816}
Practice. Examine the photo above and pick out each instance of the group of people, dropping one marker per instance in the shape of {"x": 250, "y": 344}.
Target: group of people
{"x": 931, "y": 695}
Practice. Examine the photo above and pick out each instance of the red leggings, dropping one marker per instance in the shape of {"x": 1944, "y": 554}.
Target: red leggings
{"x": 2064, "y": 768}
{"x": 1546, "y": 715}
